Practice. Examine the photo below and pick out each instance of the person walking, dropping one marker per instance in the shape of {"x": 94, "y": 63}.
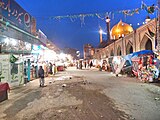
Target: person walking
{"x": 91, "y": 64}
{"x": 41, "y": 76}
{"x": 85, "y": 64}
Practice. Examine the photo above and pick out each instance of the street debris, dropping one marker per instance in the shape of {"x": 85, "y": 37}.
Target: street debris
{"x": 60, "y": 111}
{"x": 50, "y": 82}
{"x": 157, "y": 99}
{"x": 85, "y": 82}
{"x": 64, "y": 85}
{"x": 64, "y": 78}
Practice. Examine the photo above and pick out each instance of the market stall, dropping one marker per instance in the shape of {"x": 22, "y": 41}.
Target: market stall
{"x": 11, "y": 71}
{"x": 117, "y": 63}
{"x": 143, "y": 66}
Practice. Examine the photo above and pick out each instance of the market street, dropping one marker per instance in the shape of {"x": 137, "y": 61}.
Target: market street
{"x": 83, "y": 95}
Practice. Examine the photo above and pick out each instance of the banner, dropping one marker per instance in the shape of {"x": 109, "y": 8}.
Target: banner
{"x": 14, "y": 14}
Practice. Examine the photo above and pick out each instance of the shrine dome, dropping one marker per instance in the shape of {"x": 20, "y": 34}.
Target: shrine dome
{"x": 120, "y": 30}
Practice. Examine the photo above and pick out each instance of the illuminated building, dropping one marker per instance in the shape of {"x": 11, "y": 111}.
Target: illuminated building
{"x": 125, "y": 40}
{"x": 88, "y": 51}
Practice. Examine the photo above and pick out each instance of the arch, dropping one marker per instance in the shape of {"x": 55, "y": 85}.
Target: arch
{"x": 112, "y": 53}
{"x": 119, "y": 52}
{"x": 146, "y": 43}
{"x": 129, "y": 48}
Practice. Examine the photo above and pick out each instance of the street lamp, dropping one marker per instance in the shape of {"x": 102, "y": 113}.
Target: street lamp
{"x": 100, "y": 33}
{"x": 78, "y": 54}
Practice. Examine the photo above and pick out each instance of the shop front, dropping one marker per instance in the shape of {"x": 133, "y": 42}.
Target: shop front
{"x": 144, "y": 66}
{"x": 11, "y": 71}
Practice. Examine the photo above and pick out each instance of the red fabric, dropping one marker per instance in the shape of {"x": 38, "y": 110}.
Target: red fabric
{"x": 4, "y": 86}
{"x": 140, "y": 61}
{"x": 151, "y": 60}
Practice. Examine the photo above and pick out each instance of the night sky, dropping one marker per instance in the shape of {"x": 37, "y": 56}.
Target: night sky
{"x": 74, "y": 33}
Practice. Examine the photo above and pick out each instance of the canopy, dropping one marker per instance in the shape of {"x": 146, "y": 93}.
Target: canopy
{"x": 135, "y": 56}
{"x": 128, "y": 57}
{"x": 143, "y": 52}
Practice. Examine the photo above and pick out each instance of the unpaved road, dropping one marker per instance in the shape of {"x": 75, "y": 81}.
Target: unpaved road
{"x": 88, "y": 95}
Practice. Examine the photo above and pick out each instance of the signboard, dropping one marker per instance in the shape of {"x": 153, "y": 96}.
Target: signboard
{"x": 14, "y": 14}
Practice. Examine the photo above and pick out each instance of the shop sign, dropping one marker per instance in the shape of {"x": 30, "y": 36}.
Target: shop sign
{"x": 16, "y": 15}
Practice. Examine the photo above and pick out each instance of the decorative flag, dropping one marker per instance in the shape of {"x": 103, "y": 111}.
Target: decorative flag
{"x": 151, "y": 9}
{"x": 143, "y": 6}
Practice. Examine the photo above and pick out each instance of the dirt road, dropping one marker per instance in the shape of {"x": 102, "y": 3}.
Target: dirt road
{"x": 84, "y": 95}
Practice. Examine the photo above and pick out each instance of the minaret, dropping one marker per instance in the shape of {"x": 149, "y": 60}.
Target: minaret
{"x": 100, "y": 35}
{"x": 108, "y": 28}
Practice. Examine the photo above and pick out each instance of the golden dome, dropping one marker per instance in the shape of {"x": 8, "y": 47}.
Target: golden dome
{"x": 120, "y": 30}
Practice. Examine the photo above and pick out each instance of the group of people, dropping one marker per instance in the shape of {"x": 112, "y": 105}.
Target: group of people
{"x": 86, "y": 64}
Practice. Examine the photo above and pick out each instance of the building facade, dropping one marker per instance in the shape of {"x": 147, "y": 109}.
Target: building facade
{"x": 88, "y": 51}
{"x": 126, "y": 41}
{"x": 16, "y": 29}
{"x": 22, "y": 47}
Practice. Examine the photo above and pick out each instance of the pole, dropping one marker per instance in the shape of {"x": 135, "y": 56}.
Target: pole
{"x": 108, "y": 28}
{"x": 158, "y": 26}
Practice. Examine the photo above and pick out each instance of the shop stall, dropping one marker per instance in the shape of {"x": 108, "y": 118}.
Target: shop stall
{"x": 115, "y": 64}
{"x": 11, "y": 71}
{"x": 143, "y": 66}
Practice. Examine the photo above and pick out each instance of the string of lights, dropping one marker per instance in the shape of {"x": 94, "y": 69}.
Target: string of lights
{"x": 102, "y": 16}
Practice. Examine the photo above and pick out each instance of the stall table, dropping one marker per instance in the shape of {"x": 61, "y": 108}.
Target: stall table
{"x": 4, "y": 87}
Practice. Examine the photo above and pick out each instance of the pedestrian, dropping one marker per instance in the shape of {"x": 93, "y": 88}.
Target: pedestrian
{"x": 85, "y": 64}
{"x": 77, "y": 66}
{"x": 80, "y": 65}
{"x": 50, "y": 68}
{"x": 91, "y": 64}
{"x": 41, "y": 76}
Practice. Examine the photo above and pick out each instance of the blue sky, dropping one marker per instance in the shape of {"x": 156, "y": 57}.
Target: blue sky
{"x": 75, "y": 33}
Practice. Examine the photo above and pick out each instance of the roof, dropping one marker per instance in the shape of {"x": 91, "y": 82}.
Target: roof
{"x": 104, "y": 44}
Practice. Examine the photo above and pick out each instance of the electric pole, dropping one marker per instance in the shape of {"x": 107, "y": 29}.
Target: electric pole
{"x": 158, "y": 26}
